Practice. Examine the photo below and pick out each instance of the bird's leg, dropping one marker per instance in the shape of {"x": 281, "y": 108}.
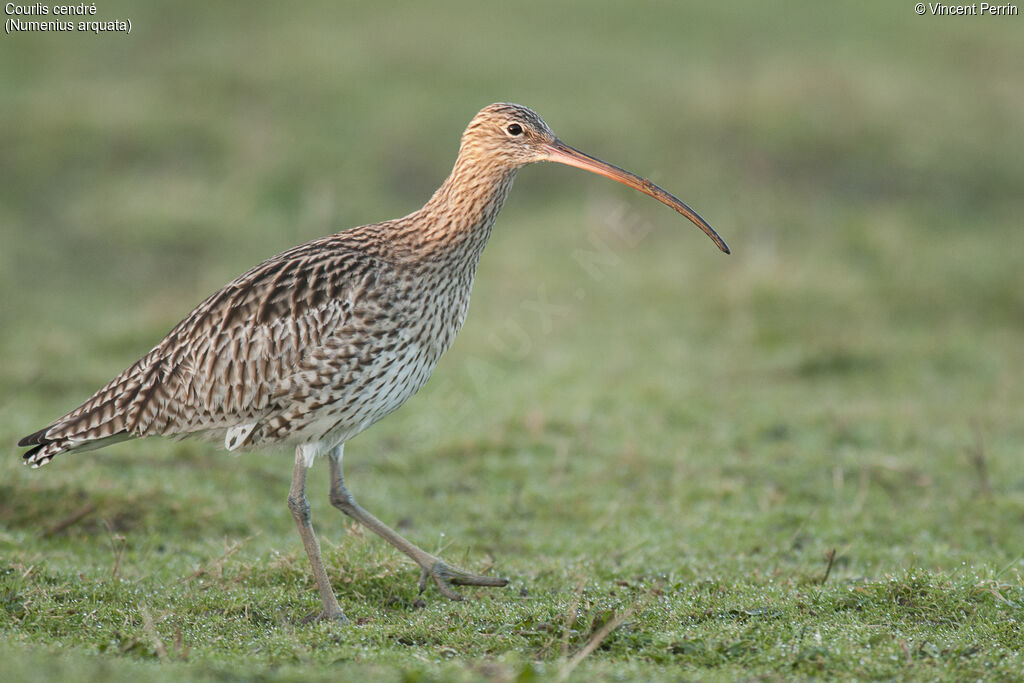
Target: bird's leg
{"x": 299, "y": 505}
{"x": 443, "y": 575}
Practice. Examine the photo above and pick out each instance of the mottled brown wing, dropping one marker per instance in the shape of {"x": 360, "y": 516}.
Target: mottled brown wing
{"x": 222, "y": 365}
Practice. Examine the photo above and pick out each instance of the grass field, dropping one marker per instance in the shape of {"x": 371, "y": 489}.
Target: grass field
{"x": 801, "y": 460}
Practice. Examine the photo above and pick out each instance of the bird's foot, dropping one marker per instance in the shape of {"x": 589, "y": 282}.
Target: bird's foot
{"x": 445, "y": 577}
{"x": 337, "y": 617}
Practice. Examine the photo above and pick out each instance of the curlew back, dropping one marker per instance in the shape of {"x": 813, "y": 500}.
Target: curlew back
{"x": 233, "y": 361}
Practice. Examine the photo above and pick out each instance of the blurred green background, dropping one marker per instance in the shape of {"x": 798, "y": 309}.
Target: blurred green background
{"x": 626, "y": 410}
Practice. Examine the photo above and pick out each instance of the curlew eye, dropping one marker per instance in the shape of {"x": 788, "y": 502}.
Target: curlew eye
{"x": 514, "y": 129}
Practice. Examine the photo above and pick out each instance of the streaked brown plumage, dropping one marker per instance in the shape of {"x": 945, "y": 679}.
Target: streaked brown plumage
{"x": 314, "y": 345}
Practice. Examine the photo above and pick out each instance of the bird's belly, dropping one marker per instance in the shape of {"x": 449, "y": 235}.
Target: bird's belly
{"x": 380, "y": 390}
{"x": 397, "y": 381}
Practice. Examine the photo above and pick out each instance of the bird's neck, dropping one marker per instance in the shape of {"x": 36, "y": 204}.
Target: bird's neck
{"x": 456, "y": 222}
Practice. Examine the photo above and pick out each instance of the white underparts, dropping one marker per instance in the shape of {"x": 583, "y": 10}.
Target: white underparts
{"x": 309, "y": 452}
{"x": 237, "y": 435}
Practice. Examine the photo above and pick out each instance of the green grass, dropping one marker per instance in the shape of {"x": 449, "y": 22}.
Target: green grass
{"x": 637, "y": 430}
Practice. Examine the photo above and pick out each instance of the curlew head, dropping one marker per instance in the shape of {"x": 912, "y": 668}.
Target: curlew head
{"x": 514, "y": 136}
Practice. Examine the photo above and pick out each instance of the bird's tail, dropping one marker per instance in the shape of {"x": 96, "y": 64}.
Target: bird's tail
{"x": 98, "y": 422}
{"x": 45, "y": 448}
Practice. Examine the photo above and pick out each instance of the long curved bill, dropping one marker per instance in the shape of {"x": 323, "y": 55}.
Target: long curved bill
{"x": 562, "y": 153}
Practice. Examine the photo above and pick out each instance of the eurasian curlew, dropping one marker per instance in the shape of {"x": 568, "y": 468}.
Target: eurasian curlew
{"x": 314, "y": 345}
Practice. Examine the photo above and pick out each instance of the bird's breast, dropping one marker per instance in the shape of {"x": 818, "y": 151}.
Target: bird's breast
{"x": 414, "y": 326}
